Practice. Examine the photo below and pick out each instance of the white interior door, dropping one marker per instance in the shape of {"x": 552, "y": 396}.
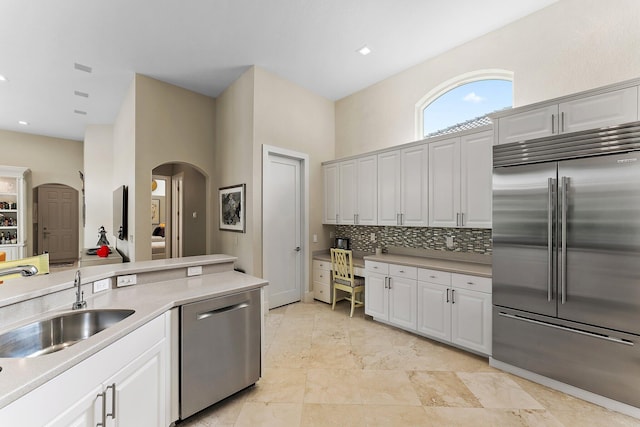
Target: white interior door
{"x": 283, "y": 250}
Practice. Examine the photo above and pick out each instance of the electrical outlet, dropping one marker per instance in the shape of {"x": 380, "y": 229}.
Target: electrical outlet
{"x": 450, "y": 244}
{"x": 331, "y": 235}
{"x": 194, "y": 271}
{"x": 128, "y": 280}
{"x": 315, "y": 238}
{"x": 373, "y": 237}
{"x": 101, "y": 285}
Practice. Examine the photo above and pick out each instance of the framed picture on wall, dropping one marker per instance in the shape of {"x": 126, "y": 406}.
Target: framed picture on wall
{"x": 155, "y": 211}
{"x": 232, "y": 208}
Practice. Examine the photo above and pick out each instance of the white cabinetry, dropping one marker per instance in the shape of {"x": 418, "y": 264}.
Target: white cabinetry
{"x": 403, "y": 186}
{"x": 455, "y": 308}
{"x": 350, "y": 192}
{"x": 571, "y": 115}
{"x": 460, "y": 176}
{"x": 13, "y": 211}
{"x": 129, "y": 377}
{"x": 331, "y": 193}
{"x": 390, "y": 293}
{"x": 322, "y": 281}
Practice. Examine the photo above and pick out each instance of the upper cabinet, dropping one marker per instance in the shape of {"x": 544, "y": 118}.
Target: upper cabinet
{"x": 571, "y": 115}
{"x": 460, "y": 181}
{"x": 13, "y": 211}
{"x": 403, "y": 186}
{"x": 350, "y": 191}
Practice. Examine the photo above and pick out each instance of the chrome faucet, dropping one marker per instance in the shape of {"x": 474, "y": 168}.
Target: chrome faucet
{"x": 23, "y": 270}
{"x": 80, "y": 302}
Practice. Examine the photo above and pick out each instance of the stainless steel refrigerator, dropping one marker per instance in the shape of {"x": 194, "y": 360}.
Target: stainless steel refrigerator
{"x": 566, "y": 259}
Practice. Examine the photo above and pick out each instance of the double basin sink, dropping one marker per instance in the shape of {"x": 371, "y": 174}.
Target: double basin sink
{"x": 59, "y": 332}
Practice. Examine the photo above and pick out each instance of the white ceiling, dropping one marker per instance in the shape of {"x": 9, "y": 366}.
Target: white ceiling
{"x": 204, "y": 45}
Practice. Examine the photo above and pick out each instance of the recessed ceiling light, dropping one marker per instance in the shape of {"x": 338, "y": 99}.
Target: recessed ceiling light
{"x": 364, "y": 50}
{"x": 23, "y": 123}
{"x": 2, "y": 78}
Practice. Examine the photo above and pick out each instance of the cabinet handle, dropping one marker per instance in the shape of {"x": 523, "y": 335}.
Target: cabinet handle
{"x": 448, "y": 294}
{"x": 457, "y": 219}
{"x": 103, "y": 417}
{"x": 433, "y": 277}
{"x": 401, "y": 219}
{"x": 562, "y": 120}
{"x": 470, "y": 283}
{"x": 401, "y": 271}
{"x": 336, "y": 218}
{"x": 397, "y": 219}
{"x": 453, "y": 296}
{"x": 389, "y": 282}
{"x": 462, "y": 219}
{"x": 553, "y": 123}
{"x": 113, "y": 400}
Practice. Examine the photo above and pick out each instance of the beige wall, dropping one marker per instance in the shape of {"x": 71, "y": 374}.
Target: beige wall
{"x": 291, "y": 117}
{"x": 98, "y": 183}
{"x": 261, "y": 108}
{"x": 172, "y": 125}
{"x": 571, "y": 46}
{"x": 234, "y": 165}
{"x": 124, "y": 161}
{"x": 51, "y": 160}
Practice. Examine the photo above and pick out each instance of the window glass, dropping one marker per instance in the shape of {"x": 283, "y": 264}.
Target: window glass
{"x": 465, "y": 103}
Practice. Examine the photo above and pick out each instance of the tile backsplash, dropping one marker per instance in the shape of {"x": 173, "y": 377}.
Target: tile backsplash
{"x": 475, "y": 240}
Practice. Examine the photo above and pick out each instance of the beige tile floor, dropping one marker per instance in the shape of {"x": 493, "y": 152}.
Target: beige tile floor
{"x": 323, "y": 368}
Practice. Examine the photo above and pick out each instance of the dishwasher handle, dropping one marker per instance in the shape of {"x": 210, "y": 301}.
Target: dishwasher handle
{"x": 206, "y": 314}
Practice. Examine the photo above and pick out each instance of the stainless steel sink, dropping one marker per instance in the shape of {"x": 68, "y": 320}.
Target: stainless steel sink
{"x": 57, "y": 333}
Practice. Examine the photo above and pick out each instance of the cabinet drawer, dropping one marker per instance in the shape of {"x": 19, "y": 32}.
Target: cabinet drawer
{"x": 377, "y": 267}
{"x": 474, "y": 283}
{"x": 321, "y": 265}
{"x": 403, "y": 271}
{"x": 322, "y": 292}
{"x": 434, "y": 276}
{"x": 322, "y": 276}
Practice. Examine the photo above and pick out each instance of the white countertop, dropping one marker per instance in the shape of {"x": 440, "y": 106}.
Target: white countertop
{"x": 21, "y": 375}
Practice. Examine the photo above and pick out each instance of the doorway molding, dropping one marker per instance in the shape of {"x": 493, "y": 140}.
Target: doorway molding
{"x": 269, "y": 150}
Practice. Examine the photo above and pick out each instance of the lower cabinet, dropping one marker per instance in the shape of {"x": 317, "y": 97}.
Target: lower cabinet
{"x": 390, "y": 293}
{"x": 125, "y": 384}
{"x": 322, "y": 281}
{"x": 449, "y": 307}
{"x": 456, "y": 308}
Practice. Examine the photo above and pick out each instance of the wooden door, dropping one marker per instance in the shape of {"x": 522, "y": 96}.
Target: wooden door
{"x": 58, "y": 222}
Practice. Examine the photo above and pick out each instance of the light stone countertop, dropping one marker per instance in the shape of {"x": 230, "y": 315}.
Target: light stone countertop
{"x": 21, "y": 375}
{"x": 451, "y": 262}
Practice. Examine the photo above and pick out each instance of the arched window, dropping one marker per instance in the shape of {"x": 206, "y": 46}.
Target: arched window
{"x": 463, "y": 103}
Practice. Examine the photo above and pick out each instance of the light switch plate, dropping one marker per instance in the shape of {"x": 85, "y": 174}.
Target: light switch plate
{"x": 128, "y": 280}
{"x": 194, "y": 271}
{"x": 101, "y": 285}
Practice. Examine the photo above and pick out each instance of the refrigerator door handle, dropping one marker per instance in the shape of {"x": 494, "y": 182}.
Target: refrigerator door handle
{"x": 550, "y": 184}
{"x": 563, "y": 245}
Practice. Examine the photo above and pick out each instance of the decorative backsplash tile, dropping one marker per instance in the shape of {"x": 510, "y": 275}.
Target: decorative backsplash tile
{"x": 475, "y": 240}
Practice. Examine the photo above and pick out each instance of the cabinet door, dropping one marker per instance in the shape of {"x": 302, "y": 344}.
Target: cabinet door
{"x": 444, "y": 183}
{"x": 528, "y": 125}
{"x": 367, "y": 190}
{"x": 330, "y": 180}
{"x": 434, "y": 310}
{"x": 606, "y": 109}
{"x": 389, "y": 188}
{"x": 414, "y": 186}
{"x": 86, "y": 412}
{"x": 376, "y": 296}
{"x": 403, "y": 307}
{"x": 471, "y": 320}
{"x": 476, "y": 160}
{"x": 139, "y": 391}
{"x": 347, "y": 192}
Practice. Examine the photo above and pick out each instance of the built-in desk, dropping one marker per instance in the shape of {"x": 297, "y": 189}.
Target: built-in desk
{"x": 322, "y": 288}
{"x": 89, "y": 260}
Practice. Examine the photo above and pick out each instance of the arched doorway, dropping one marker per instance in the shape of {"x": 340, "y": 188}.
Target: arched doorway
{"x": 178, "y": 211}
{"x": 56, "y": 223}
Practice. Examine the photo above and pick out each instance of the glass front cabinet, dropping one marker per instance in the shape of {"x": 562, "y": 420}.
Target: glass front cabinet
{"x": 13, "y": 211}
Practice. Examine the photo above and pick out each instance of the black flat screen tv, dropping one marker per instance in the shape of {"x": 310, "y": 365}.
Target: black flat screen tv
{"x": 120, "y": 212}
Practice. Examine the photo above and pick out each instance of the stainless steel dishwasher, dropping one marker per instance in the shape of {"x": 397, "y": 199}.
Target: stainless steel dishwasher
{"x": 219, "y": 349}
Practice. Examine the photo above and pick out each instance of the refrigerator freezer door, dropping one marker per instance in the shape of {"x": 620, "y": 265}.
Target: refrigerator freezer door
{"x": 524, "y": 237}
{"x": 600, "y": 273}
